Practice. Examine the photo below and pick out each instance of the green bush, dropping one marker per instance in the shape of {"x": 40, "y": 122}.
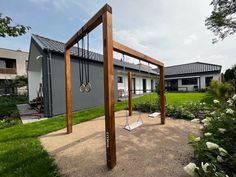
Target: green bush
{"x": 178, "y": 112}
{"x": 7, "y": 122}
{"x": 220, "y": 91}
{"x": 215, "y": 151}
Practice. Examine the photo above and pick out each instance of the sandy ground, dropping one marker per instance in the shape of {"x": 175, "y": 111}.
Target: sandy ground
{"x": 152, "y": 150}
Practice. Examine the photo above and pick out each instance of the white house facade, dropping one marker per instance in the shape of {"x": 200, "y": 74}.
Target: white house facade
{"x": 191, "y": 77}
{"x": 141, "y": 83}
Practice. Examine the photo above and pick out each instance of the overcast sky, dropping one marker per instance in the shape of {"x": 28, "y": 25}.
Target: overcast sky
{"x": 172, "y": 31}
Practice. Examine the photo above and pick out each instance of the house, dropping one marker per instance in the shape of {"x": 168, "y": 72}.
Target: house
{"x": 12, "y": 63}
{"x": 46, "y": 71}
{"x": 191, "y": 76}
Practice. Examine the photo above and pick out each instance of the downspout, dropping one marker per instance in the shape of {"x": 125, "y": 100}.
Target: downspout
{"x": 199, "y": 83}
{"x": 49, "y": 75}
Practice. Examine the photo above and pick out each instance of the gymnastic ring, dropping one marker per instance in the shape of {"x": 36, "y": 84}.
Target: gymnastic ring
{"x": 82, "y": 88}
{"x": 88, "y": 87}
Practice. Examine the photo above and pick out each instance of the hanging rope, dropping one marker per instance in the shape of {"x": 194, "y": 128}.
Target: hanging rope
{"x": 82, "y": 85}
{"x": 150, "y": 103}
{"x": 126, "y": 100}
{"x": 139, "y": 108}
{"x": 80, "y": 68}
{"x": 88, "y": 86}
{"x": 137, "y": 123}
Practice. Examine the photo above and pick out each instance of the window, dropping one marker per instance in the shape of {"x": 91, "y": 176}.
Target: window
{"x": 120, "y": 79}
{"x": 208, "y": 80}
{"x": 189, "y": 81}
{"x": 10, "y": 63}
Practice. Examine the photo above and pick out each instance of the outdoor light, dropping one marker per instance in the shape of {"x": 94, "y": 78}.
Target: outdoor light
{"x": 39, "y": 57}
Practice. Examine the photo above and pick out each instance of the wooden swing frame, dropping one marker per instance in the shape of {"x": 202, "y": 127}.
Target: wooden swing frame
{"x": 104, "y": 17}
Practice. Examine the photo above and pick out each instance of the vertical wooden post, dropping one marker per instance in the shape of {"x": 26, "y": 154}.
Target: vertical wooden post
{"x": 109, "y": 90}
{"x": 68, "y": 91}
{"x": 162, "y": 94}
{"x": 130, "y": 92}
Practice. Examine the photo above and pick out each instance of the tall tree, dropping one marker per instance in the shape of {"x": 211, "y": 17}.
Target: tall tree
{"x": 222, "y": 21}
{"x": 7, "y": 29}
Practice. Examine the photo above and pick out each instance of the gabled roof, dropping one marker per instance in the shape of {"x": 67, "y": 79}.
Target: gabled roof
{"x": 59, "y": 47}
{"x": 192, "y": 68}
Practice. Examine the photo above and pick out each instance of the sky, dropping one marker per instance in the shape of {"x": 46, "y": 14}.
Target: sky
{"x": 171, "y": 31}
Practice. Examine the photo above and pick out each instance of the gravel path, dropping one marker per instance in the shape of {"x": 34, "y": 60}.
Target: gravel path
{"x": 152, "y": 150}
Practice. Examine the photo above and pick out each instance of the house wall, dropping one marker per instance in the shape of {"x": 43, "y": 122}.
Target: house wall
{"x": 138, "y": 82}
{"x": 200, "y": 81}
{"x": 203, "y": 77}
{"x": 79, "y": 100}
{"x": 21, "y": 58}
{"x": 187, "y": 87}
{"x": 34, "y": 79}
{"x": 34, "y": 72}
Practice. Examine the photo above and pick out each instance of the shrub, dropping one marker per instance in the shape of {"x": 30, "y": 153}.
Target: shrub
{"x": 220, "y": 91}
{"x": 178, "y": 112}
{"x": 215, "y": 151}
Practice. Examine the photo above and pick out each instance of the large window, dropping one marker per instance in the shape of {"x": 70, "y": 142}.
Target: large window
{"x": 208, "y": 80}
{"x": 120, "y": 79}
{"x": 189, "y": 81}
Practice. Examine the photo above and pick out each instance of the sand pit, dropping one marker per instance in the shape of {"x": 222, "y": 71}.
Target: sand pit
{"x": 152, "y": 150}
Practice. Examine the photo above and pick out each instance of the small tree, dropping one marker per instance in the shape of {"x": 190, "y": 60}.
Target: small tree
{"x": 7, "y": 29}
{"x": 18, "y": 82}
{"x": 220, "y": 91}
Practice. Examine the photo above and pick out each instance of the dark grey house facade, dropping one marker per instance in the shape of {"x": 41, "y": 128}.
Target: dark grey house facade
{"x": 46, "y": 67}
{"x": 191, "y": 76}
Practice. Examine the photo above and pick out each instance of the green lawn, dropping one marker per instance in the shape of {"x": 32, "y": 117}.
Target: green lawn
{"x": 21, "y": 153}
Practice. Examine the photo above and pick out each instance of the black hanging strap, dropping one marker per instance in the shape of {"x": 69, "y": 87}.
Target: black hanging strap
{"x": 80, "y": 75}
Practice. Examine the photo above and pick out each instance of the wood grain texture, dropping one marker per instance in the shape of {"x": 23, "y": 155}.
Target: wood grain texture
{"x": 68, "y": 91}
{"x": 133, "y": 53}
{"x": 130, "y": 92}
{"x": 89, "y": 26}
{"x": 109, "y": 90}
{"x": 162, "y": 94}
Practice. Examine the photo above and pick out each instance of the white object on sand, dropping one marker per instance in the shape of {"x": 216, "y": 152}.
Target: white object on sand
{"x": 133, "y": 125}
{"x": 154, "y": 115}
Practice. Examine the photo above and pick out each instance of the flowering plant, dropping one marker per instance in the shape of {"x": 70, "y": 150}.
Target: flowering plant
{"x": 215, "y": 151}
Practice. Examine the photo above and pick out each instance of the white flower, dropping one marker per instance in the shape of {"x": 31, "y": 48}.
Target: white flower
{"x": 230, "y": 102}
{"x": 197, "y": 139}
{"x": 223, "y": 152}
{"x": 221, "y": 130}
{"x": 222, "y": 114}
{"x": 197, "y": 121}
{"x": 204, "y": 103}
{"x": 201, "y": 127}
{"x": 208, "y": 134}
{"x": 212, "y": 146}
{"x": 234, "y": 97}
{"x": 212, "y": 113}
{"x": 219, "y": 158}
{"x": 204, "y": 166}
{"x": 206, "y": 121}
{"x": 229, "y": 111}
{"x": 216, "y": 101}
{"x": 190, "y": 169}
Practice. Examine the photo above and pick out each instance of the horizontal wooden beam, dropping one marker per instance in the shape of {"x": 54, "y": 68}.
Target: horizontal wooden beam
{"x": 89, "y": 26}
{"x": 135, "y": 54}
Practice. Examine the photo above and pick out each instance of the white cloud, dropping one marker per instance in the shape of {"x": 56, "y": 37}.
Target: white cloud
{"x": 191, "y": 38}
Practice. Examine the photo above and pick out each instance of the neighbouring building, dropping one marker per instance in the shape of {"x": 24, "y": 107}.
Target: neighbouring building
{"x": 191, "y": 76}
{"x": 12, "y": 63}
{"x": 46, "y": 69}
